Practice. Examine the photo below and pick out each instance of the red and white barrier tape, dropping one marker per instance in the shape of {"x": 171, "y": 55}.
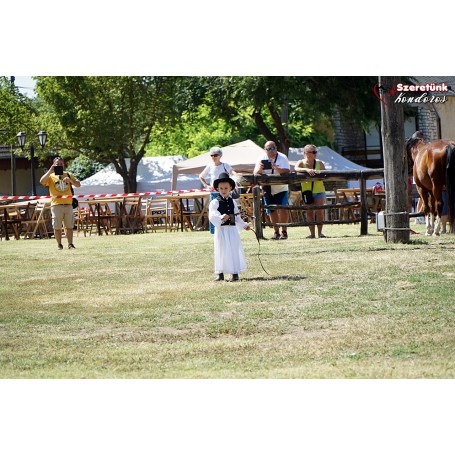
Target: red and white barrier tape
{"x": 92, "y": 196}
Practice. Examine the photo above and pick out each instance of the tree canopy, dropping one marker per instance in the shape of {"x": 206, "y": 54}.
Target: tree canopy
{"x": 288, "y": 109}
{"x": 112, "y": 119}
{"x": 109, "y": 119}
{"x": 17, "y": 113}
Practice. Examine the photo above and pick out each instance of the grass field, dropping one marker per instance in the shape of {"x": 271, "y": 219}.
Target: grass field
{"x": 146, "y": 306}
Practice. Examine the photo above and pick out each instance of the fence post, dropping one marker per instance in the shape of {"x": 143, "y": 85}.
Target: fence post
{"x": 363, "y": 207}
{"x": 257, "y": 212}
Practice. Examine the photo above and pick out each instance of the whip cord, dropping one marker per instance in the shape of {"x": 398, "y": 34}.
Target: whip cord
{"x": 259, "y": 251}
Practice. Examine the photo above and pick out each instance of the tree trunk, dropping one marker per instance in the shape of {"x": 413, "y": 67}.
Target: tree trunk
{"x": 262, "y": 127}
{"x": 284, "y": 142}
{"x": 132, "y": 177}
{"x": 395, "y": 164}
{"x": 129, "y": 176}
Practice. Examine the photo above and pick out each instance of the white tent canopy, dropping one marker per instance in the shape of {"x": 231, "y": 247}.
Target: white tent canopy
{"x": 243, "y": 155}
{"x": 333, "y": 161}
{"x": 153, "y": 174}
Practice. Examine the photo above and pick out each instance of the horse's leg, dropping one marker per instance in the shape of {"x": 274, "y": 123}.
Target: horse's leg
{"x": 429, "y": 223}
{"x": 426, "y": 210}
{"x": 437, "y": 204}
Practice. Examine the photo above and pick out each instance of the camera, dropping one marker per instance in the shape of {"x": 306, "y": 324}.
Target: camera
{"x": 266, "y": 164}
{"x": 58, "y": 170}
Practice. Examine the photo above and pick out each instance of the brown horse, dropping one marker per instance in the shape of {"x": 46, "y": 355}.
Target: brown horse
{"x": 433, "y": 166}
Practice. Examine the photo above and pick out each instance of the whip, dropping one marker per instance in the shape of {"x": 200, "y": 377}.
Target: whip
{"x": 259, "y": 251}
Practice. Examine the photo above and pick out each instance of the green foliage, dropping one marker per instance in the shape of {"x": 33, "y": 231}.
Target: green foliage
{"x": 262, "y": 102}
{"x": 197, "y": 132}
{"x": 83, "y": 167}
{"x": 110, "y": 118}
{"x": 17, "y": 113}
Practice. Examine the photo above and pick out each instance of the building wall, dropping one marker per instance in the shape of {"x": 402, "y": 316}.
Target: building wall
{"x": 427, "y": 121}
{"x": 446, "y": 113}
{"x": 346, "y": 134}
{"x": 23, "y": 182}
{"x": 428, "y": 115}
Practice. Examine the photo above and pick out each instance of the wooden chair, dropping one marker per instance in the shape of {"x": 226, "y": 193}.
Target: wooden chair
{"x": 132, "y": 219}
{"x": 296, "y": 216}
{"x": 155, "y": 216}
{"x": 198, "y": 212}
{"x": 375, "y": 203}
{"x": 344, "y": 195}
{"x": 11, "y": 221}
{"x": 179, "y": 216}
{"x": 38, "y": 224}
{"x": 245, "y": 202}
{"x": 83, "y": 221}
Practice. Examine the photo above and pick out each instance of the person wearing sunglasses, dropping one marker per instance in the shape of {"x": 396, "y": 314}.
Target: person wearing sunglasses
{"x": 214, "y": 169}
{"x": 312, "y": 166}
{"x": 275, "y": 162}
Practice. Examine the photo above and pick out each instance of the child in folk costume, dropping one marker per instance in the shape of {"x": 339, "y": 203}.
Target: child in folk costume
{"x": 224, "y": 215}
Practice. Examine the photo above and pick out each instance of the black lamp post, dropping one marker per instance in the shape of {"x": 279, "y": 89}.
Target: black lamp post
{"x": 42, "y": 136}
{"x": 21, "y": 138}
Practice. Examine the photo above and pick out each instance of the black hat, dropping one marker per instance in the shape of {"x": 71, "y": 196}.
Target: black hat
{"x": 223, "y": 177}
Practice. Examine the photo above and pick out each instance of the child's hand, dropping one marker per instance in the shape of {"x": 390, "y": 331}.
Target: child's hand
{"x": 247, "y": 228}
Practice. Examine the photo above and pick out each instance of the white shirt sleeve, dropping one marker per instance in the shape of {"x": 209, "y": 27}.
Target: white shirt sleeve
{"x": 205, "y": 173}
{"x": 214, "y": 215}
{"x": 283, "y": 162}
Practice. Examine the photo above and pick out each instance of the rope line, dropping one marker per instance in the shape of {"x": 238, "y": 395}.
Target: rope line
{"x": 91, "y": 196}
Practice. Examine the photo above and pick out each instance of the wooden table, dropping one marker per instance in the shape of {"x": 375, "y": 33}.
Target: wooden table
{"x": 98, "y": 212}
{"x": 14, "y": 214}
{"x": 182, "y": 214}
{"x": 344, "y": 195}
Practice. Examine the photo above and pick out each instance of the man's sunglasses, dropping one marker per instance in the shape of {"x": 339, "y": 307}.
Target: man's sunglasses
{"x": 214, "y": 155}
{"x": 270, "y": 149}
{"x": 314, "y": 153}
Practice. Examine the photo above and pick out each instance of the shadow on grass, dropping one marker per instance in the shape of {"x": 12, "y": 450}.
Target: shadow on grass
{"x": 418, "y": 242}
{"x": 275, "y": 278}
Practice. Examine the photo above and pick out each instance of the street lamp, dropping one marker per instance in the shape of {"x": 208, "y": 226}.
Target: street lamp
{"x": 42, "y": 136}
{"x": 21, "y": 138}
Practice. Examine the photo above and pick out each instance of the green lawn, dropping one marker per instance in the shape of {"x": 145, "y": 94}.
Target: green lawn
{"x": 146, "y": 306}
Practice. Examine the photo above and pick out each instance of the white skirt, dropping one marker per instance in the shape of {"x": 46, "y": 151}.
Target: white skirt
{"x": 228, "y": 250}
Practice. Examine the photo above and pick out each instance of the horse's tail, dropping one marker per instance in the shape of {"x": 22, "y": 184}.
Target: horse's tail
{"x": 410, "y": 144}
{"x": 450, "y": 185}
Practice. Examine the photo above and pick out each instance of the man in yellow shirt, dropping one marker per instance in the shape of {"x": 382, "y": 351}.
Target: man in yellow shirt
{"x": 59, "y": 183}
